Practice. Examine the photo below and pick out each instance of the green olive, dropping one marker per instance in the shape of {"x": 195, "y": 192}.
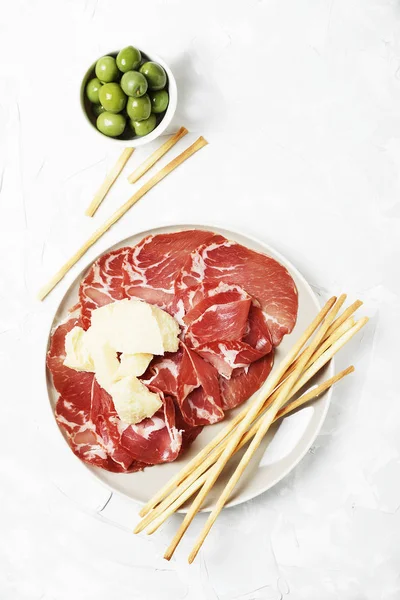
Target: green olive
{"x": 159, "y": 101}
{"x": 106, "y": 69}
{"x": 138, "y": 109}
{"x": 112, "y": 97}
{"x": 128, "y": 59}
{"x": 155, "y": 75}
{"x": 144, "y": 127}
{"x": 134, "y": 83}
{"x": 111, "y": 124}
{"x": 92, "y": 90}
{"x": 97, "y": 109}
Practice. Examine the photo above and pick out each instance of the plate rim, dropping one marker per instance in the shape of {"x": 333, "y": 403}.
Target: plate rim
{"x": 327, "y": 395}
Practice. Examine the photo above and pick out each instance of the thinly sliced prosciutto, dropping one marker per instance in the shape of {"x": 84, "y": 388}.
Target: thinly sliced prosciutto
{"x": 224, "y": 320}
{"x": 233, "y": 305}
{"x": 198, "y": 390}
{"x": 252, "y": 342}
{"x": 266, "y": 280}
{"x": 245, "y": 381}
{"x": 154, "y": 264}
{"x": 154, "y": 440}
{"x": 103, "y": 283}
{"x": 193, "y": 383}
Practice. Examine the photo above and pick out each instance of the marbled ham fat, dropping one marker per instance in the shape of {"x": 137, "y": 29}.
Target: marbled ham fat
{"x": 233, "y": 304}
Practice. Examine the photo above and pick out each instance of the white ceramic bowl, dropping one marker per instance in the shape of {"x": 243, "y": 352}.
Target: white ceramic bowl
{"x": 161, "y": 127}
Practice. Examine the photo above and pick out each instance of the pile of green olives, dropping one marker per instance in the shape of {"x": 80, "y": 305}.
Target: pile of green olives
{"x": 127, "y": 94}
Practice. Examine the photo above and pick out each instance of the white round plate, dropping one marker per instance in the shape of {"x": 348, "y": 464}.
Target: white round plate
{"x": 286, "y": 442}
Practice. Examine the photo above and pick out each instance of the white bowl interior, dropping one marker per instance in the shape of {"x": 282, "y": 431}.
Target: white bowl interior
{"x": 286, "y": 442}
{"x": 161, "y": 127}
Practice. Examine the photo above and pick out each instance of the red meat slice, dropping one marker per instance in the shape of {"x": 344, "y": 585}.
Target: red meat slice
{"x": 258, "y": 334}
{"x": 220, "y": 317}
{"x": 162, "y": 374}
{"x": 82, "y": 438}
{"x": 245, "y": 381}
{"x": 154, "y": 440}
{"x": 103, "y": 283}
{"x": 194, "y": 301}
{"x": 189, "y": 434}
{"x": 198, "y": 391}
{"x": 191, "y": 381}
{"x": 73, "y": 407}
{"x": 226, "y": 356}
{"x": 261, "y": 276}
{"x": 109, "y": 426}
{"x": 154, "y": 264}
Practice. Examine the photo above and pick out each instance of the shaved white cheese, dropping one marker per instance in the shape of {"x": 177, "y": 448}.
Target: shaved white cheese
{"x": 133, "y": 401}
{"x": 105, "y": 360}
{"x": 129, "y": 326}
{"x": 77, "y": 353}
{"x": 169, "y": 329}
{"x": 133, "y": 364}
{"x": 118, "y": 347}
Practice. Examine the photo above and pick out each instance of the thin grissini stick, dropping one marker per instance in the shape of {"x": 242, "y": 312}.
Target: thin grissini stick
{"x": 341, "y": 324}
{"x": 313, "y": 393}
{"x": 198, "y": 144}
{"x": 343, "y": 317}
{"x": 321, "y": 360}
{"x": 181, "y": 483}
{"x": 264, "y": 391}
{"x": 157, "y": 154}
{"x": 327, "y": 355}
{"x": 108, "y": 182}
{"x": 334, "y": 326}
{"x": 265, "y": 423}
{"x": 162, "y": 515}
{"x": 336, "y": 333}
{"x": 325, "y": 317}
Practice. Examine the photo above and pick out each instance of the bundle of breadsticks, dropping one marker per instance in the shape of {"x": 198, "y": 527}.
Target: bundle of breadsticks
{"x": 323, "y": 338}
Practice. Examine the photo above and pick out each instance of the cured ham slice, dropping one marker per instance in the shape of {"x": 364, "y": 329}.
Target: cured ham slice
{"x": 189, "y": 433}
{"x": 82, "y": 438}
{"x": 245, "y": 381}
{"x": 154, "y": 440}
{"x": 220, "y": 317}
{"x": 153, "y": 265}
{"x": 109, "y": 426}
{"x": 198, "y": 391}
{"x": 227, "y": 355}
{"x": 195, "y": 300}
{"x": 162, "y": 374}
{"x": 103, "y": 283}
{"x": 191, "y": 381}
{"x": 261, "y": 276}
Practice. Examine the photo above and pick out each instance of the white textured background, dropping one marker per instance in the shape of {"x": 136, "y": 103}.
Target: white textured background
{"x": 300, "y": 101}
